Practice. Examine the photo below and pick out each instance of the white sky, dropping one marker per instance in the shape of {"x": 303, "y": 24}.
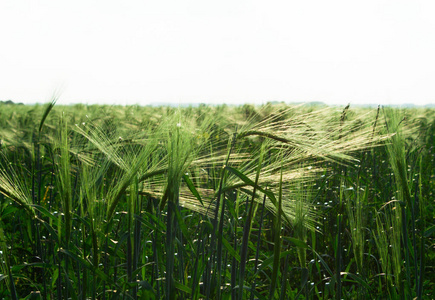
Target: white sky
{"x": 233, "y": 51}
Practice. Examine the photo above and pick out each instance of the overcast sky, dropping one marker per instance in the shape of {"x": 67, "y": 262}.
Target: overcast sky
{"x": 180, "y": 51}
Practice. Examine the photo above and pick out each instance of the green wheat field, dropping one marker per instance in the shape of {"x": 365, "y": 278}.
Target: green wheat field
{"x": 216, "y": 202}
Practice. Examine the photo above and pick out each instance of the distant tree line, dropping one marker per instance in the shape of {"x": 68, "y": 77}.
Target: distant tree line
{"x": 10, "y": 102}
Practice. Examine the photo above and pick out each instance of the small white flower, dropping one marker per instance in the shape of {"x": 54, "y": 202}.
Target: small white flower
{"x": 178, "y": 124}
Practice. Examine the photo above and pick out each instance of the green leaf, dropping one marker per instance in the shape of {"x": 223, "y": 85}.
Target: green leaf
{"x": 429, "y": 231}
{"x": 192, "y": 188}
{"x": 267, "y": 262}
{"x": 86, "y": 264}
{"x": 248, "y": 181}
{"x": 356, "y": 278}
{"x": 297, "y": 242}
{"x": 230, "y": 249}
{"x": 44, "y": 212}
{"x": 185, "y": 289}
{"x": 51, "y": 230}
{"x": 323, "y": 263}
{"x": 8, "y": 210}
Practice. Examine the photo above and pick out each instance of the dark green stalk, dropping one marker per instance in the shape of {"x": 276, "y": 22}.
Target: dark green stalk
{"x": 155, "y": 240}
{"x": 283, "y": 291}
{"x": 95, "y": 257}
{"x": 234, "y": 266}
{"x": 59, "y": 277}
{"x": 181, "y": 230}
{"x": 129, "y": 257}
{"x": 208, "y": 278}
{"x": 85, "y": 272}
{"x": 170, "y": 251}
{"x": 219, "y": 248}
{"x": 406, "y": 289}
{"x": 36, "y": 197}
{"x": 6, "y": 262}
{"x": 257, "y": 252}
{"x": 247, "y": 227}
{"x": 136, "y": 250}
{"x": 422, "y": 254}
{"x": 277, "y": 240}
{"x": 338, "y": 258}
{"x": 131, "y": 241}
{"x": 338, "y": 251}
{"x": 196, "y": 271}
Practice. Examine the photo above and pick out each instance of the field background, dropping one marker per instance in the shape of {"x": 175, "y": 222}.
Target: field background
{"x": 216, "y": 202}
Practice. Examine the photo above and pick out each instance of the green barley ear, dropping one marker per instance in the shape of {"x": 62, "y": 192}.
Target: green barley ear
{"x": 181, "y": 148}
{"x": 399, "y": 162}
{"x": 302, "y": 214}
{"x": 388, "y": 242}
{"x": 355, "y": 204}
{"x": 64, "y": 174}
{"x": 382, "y": 245}
{"x": 13, "y": 186}
{"x": 47, "y": 111}
{"x": 396, "y": 153}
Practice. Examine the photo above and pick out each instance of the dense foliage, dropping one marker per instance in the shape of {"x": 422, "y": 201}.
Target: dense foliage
{"x": 270, "y": 202}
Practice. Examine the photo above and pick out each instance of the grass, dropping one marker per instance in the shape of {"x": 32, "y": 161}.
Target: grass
{"x": 270, "y": 202}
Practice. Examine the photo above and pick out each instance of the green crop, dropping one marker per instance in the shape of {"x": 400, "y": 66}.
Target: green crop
{"x": 216, "y": 202}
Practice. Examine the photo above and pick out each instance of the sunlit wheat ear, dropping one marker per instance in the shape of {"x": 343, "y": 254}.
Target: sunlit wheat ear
{"x": 188, "y": 200}
{"x": 134, "y": 161}
{"x": 308, "y": 139}
{"x": 318, "y": 134}
{"x": 102, "y": 142}
{"x": 12, "y": 187}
